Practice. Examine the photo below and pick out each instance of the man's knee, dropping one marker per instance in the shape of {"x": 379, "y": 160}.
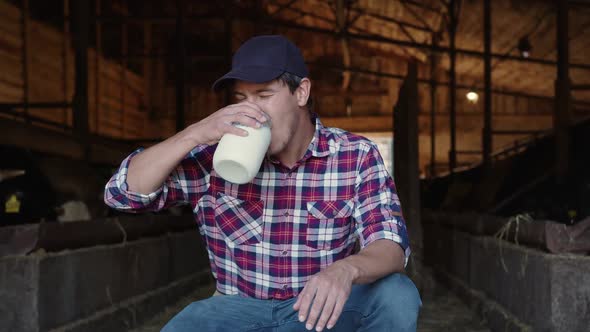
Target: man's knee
{"x": 182, "y": 320}
{"x": 190, "y": 318}
{"x": 397, "y": 296}
{"x": 217, "y": 313}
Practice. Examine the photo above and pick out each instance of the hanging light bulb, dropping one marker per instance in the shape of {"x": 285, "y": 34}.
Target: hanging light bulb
{"x": 472, "y": 96}
{"x": 524, "y": 46}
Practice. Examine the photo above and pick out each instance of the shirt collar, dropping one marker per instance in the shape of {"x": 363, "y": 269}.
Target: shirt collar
{"x": 322, "y": 144}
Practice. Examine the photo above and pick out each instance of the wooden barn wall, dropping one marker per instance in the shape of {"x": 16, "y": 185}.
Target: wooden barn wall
{"x": 133, "y": 106}
{"x": 121, "y": 92}
{"x": 128, "y": 106}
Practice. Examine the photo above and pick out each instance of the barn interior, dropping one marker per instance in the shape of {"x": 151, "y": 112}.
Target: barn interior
{"x": 480, "y": 109}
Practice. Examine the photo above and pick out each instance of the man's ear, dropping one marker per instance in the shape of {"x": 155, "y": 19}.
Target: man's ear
{"x": 302, "y": 92}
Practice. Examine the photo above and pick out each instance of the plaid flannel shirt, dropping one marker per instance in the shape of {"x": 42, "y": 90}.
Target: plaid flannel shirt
{"x": 266, "y": 238}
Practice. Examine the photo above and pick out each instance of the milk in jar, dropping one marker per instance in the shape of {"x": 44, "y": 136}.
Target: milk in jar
{"x": 237, "y": 159}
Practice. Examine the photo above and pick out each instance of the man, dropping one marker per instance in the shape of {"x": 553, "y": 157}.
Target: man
{"x": 282, "y": 246}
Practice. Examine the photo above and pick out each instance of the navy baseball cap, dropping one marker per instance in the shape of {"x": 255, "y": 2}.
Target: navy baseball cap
{"x": 262, "y": 59}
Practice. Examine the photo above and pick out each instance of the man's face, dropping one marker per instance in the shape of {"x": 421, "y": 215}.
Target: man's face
{"x": 275, "y": 99}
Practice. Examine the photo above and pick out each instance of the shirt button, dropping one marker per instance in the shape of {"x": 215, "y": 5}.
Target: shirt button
{"x": 285, "y": 252}
{"x": 286, "y": 214}
{"x": 285, "y": 287}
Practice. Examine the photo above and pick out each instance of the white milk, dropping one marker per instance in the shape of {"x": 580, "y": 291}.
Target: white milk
{"x": 237, "y": 159}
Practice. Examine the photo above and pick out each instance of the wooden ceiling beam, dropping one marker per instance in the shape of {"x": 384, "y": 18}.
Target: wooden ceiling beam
{"x": 417, "y": 17}
{"x": 391, "y": 20}
{"x": 465, "y": 121}
{"x": 327, "y": 91}
{"x": 378, "y": 123}
{"x": 438, "y": 83}
{"x": 116, "y": 19}
{"x": 306, "y": 13}
{"x": 281, "y": 7}
{"x": 580, "y": 3}
{"x": 580, "y": 86}
{"x": 422, "y": 6}
{"x": 405, "y": 43}
{"x": 363, "y": 37}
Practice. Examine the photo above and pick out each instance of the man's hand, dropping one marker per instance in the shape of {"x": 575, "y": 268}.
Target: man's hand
{"x": 212, "y": 128}
{"x": 324, "y": 296}
{"x": 150, "y": 168}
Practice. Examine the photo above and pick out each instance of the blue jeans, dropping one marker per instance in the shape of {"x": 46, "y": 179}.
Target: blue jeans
{"x": 389, "y": 304}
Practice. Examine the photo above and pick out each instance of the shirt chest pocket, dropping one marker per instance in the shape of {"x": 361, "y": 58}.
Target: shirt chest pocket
{"x": 329, "y": 223}
{"x": 240, "y": 221}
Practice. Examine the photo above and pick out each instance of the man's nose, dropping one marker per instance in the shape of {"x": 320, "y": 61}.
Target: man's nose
{"x": 251, "y": 100}
{"x": 254, "y": 100}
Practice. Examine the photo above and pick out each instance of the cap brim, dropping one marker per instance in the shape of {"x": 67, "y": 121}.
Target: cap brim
{"x": 252, "y": 74}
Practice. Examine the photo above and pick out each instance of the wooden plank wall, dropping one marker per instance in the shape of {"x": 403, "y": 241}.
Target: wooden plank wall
{"x": 122, "y": 108}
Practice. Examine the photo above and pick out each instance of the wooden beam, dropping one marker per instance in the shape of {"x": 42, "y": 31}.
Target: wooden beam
{"x": 465, "y": 121}
{"x": 433, "y": 79}
{"x": 97, "y": 68}
{"x": 148, "y": 65}
{"x": 80, "y": 27}
{"x": 406, "y": 154}
{"x": 452, "y": 86}
{"x": 418, "y": 17}
{"x": 422, "y": 5}
{"x": 405, "y": 43}
{"x": 26, "y": 58}
{"x": 561, "y": 118}
{"x": 519, "y": 132}
{"x": 341, "y": 28}
{"x": 487, "y": 126}
{"x": 580, "y": 87}
{"x": 396, "y": 76}
{"x": 60, "y": 144}
{"x": 180, "y": 66}
{"x": 379, "y": 123}
{"x": 364, "y": 91}
{"x": 65, "y": 47}
{"x": 388, "y": 19}
{"x": 282, "y": 7}
{"x": 123, "y": 77}
{"x": 364, "y": 37}
{"x": 46, "y": 105}
{"x": 228, "y": 31}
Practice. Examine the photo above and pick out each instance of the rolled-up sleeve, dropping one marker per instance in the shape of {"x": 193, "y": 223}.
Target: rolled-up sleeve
{"x": 378, "y": 212}
{"x": 186, "y": 180}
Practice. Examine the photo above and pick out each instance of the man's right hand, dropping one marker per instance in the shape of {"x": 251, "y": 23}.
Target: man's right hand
{"x": 210, "y": 130}
{"x": 150, "y": 168}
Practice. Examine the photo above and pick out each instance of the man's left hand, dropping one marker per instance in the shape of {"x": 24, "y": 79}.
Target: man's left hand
{"x": 324, "y": 296}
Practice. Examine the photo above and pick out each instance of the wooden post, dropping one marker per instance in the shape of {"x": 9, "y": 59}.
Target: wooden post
{"x": 80, "y": 16}
{"x": 180, "y": 66}
{"x": 97, "y": 80}
{"x": 65, "y": 58}
{"x": 487, "y": 127}
{"x": 453, "y": 87}
{"x": 147, "y": 64}
{"x": 341, "y": 29}
{"x": 406, "y": 166}
{"x": 26, "y": 57}
{"x": 123, "y": 75}
{"x": 259, "y": 12}
{"x": 433, "y": 78}
{"x": 229, "y": 47}
{"x": 561, "y": 115}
